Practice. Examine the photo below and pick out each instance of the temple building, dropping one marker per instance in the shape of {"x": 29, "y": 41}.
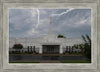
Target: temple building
{"x": 50, "y": 43}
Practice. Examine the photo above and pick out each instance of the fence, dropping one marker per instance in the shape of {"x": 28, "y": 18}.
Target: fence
{"x": 29, "y": 49}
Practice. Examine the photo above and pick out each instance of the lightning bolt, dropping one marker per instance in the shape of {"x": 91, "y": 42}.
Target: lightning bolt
{"x": 63, "y": 12}
{"x": 52, "y": 15}
{"x": 38, "y": 17}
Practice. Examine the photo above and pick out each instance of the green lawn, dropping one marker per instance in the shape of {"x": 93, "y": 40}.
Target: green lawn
{"x": 67, "y": 61}
{"x": 76, "y": 61}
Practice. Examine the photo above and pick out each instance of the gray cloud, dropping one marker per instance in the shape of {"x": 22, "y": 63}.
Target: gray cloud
{"x": 76, "y": 22}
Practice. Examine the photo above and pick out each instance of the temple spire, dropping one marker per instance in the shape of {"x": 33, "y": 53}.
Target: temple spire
{"x": 50, "y": 20}
{"x": 50, "y": 27}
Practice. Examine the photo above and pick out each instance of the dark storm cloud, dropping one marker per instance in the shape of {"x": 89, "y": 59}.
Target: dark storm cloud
{"x": 68, "y": 22}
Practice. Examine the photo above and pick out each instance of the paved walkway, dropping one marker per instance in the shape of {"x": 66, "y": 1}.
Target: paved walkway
{"x": 49, "y": 61}
{"x": 50, "y": 54}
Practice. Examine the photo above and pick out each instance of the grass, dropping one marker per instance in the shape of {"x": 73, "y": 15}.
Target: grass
{"x": 23, "y": 62}
{"x": 76, "y": 61}
{"x": 67, "y": 61}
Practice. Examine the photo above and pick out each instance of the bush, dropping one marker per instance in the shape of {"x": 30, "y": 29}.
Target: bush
{"x": 18, "y": 46}
{"x": 26, "y": 52}
{"x": 61, "y": 36}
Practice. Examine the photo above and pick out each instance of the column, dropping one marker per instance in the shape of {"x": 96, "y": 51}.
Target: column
{"x": 61, "y": 49}
{"x": 40, "y": 50}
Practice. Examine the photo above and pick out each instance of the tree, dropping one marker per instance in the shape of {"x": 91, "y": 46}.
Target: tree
{"x": 87, "y": 45}
{"x": 84, "y": 38}
{"x": 28, "y": 49}
{"x": 18, "y": 46}
{"x": 81, "y": 46}
{"x": 61, "y": 36}
{"x": 72, "y": 49}
{"x": 76, "y": 46}
{"x": 88, "y": 38}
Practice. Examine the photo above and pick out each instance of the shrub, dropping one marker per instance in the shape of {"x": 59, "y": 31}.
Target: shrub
{"x": 61, "y": 36}
{"x": 18, "y": 46}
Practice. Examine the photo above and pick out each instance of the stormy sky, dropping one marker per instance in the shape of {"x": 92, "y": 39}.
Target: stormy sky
{"x": 71, "y": 23}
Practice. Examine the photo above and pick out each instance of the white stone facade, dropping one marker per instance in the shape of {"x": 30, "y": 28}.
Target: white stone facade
{"x": 49, "y": 39}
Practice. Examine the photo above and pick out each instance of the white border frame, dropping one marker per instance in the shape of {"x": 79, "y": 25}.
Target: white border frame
{"x": 92, "y": 65}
